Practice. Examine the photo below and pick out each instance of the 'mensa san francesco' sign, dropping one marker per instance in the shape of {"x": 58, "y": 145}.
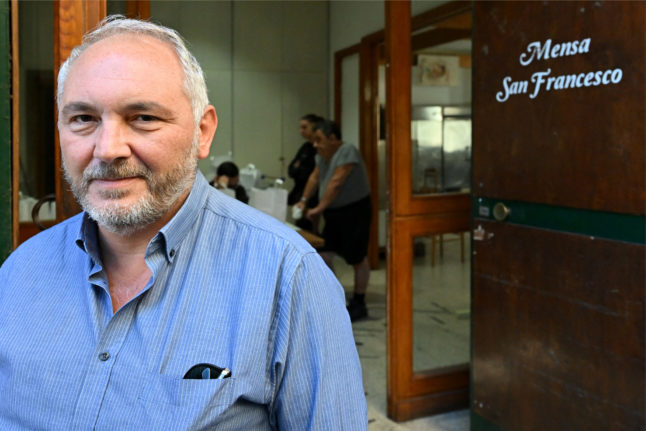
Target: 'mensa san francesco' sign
{"x": 544, "y": 81}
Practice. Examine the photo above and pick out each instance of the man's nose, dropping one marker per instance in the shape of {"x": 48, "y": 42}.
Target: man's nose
{"x": 112, "y": 141}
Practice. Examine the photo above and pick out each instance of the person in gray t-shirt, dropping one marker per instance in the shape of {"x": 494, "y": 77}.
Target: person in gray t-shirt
{"x": 344, "y": 200}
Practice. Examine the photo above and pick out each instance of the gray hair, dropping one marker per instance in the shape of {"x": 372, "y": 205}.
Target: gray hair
{"x": 194, "y": 85}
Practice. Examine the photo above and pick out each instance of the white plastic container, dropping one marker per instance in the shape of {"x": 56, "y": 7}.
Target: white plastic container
{"x": 248, "y": 177}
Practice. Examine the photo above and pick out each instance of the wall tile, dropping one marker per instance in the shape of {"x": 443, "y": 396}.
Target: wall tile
{"x": 257, "y": 120}
{"x": 257, "y": 35}
{"x": 305, "y": 42}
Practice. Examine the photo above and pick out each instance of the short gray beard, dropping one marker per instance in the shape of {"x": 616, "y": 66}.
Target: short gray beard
{"x": 163, "y": 192}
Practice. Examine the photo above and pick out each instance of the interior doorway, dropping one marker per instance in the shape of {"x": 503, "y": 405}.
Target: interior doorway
{"x": 428, "y": 191}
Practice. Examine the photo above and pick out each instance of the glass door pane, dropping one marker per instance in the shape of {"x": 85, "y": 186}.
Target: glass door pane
{"x": 441, "y": 300}
{"x": 426, "y": 141}
{"x": 441, "y": 116}
{"x": 37, "y": 126}
{"x": 456, "y": 150}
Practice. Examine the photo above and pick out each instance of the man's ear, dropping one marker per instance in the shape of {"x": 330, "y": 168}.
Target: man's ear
{"x": 208, "y": 125}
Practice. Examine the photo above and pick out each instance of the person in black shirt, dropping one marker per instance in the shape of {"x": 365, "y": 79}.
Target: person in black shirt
{"x": 226, "y": 177}
{"x": 300, "y": 169}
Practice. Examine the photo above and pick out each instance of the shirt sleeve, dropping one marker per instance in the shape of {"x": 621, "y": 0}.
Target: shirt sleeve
{"x": 347, "y": 154}
{"x": 316, "y": 370}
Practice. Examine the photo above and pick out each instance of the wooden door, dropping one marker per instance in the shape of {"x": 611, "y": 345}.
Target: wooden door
{"x": 414, "y": 392}
{"x": 6, "y": 200}
{"x": 35, "y": 165}
{"x": 72, "y": 19}
{"x": 559, "y": 203}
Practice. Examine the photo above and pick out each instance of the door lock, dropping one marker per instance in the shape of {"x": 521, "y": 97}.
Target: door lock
{"x": 501, "y": 212}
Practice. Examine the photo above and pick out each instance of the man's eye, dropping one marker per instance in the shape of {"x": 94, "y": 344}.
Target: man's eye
{"x": 146, "y": 118}
{"x": 82, "y": 123}
{"x": 82, "y": 118}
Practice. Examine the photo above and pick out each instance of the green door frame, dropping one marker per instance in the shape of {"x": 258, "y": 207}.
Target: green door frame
{"x": 5, "y": 132}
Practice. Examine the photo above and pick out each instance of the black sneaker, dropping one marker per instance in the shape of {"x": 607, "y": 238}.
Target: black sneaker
{"x": 357, "y": 310}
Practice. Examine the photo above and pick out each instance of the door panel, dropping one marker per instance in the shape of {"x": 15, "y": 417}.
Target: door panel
{"x": 558, "y": 327}
{"x": 558, "y": 300}
{"x": 575, "y": 145}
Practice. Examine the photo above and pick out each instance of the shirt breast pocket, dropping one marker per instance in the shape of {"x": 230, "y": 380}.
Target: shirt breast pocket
{"x": 179, "y": 392}
{"x": 174, "y": 403}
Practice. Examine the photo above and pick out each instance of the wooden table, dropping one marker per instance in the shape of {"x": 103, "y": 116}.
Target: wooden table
{"x": 314, "y": 240}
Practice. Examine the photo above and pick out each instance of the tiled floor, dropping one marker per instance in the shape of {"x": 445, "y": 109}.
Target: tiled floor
{"x": 441, "y": 327}
{"x": 453, "y": 421}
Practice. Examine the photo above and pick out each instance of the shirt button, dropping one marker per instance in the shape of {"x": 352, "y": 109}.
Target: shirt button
{"x": 172, "y": 253}
{"x": 104, "y": 356}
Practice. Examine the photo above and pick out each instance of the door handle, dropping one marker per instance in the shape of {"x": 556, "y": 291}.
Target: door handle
{"x": 36, "y": 209}
{"x": 501, "y": 212}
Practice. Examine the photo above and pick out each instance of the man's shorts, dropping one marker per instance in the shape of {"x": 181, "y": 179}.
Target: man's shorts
{"x": 347, "y": 230}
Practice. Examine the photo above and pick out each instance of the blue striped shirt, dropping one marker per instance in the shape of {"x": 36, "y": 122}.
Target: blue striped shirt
{"x": 230, "y": 287}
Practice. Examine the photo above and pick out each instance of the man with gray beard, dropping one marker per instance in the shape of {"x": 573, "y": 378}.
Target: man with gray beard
{"x": 165, "y": 304}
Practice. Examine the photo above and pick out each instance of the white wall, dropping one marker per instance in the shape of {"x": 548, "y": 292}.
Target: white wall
{"x": 349, "y": 22}
{"x": 266, "y": 65}
{"x": 350, "y": 99}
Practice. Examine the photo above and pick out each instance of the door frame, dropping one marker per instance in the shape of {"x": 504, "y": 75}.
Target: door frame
{"x": 412, "y": 394}
{"x": 7, "y": 79}
{"x": 72, "y": 19}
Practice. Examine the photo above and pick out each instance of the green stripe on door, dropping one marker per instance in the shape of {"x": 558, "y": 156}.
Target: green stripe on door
{"x": 481, "y": 424}
{"x": 5, "y": 131}
{"x": 600, "y": 224}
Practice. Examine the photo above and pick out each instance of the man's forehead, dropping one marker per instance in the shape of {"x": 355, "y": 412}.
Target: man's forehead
{"x": 124, "y": 46}
{"x": 138, "y": 61}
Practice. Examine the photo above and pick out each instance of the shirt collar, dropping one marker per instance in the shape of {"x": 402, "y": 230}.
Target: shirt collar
{"x": 169, "y": 237}
{"x": 178, "y": 228}
{"x": 87, "y": 238}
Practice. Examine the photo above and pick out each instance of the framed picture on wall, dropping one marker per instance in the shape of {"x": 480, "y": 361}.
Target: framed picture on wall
{"x": 439, "y": 70}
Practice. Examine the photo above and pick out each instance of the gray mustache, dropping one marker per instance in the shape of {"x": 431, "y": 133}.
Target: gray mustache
{"x": 114, "y": 171}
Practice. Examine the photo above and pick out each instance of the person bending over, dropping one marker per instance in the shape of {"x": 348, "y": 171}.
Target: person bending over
{"x": 344, "y": 200}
